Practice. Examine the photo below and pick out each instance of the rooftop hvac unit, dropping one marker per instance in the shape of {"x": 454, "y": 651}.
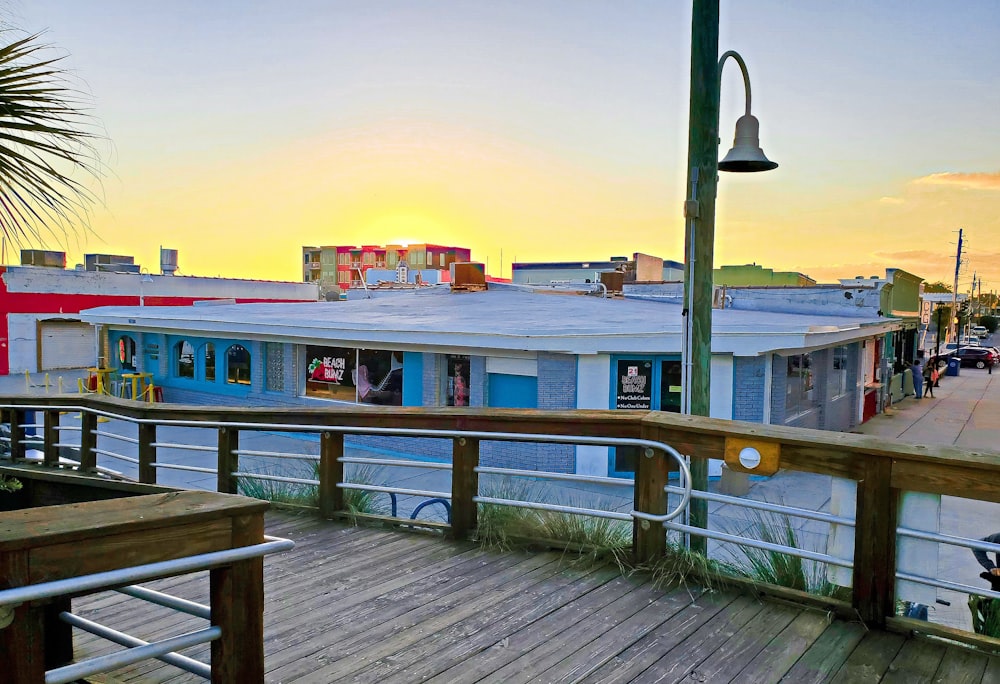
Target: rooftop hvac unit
{"x": 168, "y": 261}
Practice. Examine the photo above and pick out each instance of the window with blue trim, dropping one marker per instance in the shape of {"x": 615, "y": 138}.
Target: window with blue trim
{"x": 209, "y": 362}
{"x": 238, "y": 365}
{"x": 184, "y": 355}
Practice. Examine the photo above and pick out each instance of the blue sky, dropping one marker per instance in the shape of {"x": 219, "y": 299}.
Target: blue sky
{"x": 549, "y": 130}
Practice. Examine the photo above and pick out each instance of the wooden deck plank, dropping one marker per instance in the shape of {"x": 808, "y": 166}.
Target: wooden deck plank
{"x": 494, "y": 625}
{"x": 961, "y": 666}
{"x": 423, "y": 613}
{"x": 825, "y": 656}
{"x": 781, "y": 654}
{"x": 633, "y": 661}
{"x": 368, "y": 605}
{"x": 491, "y": 631}
{"x": 607, "y": 645}
{"x": 916, "y": 663}
{"x": 992, "y": 673}
{"x": 489, "y": 665}
{"x": 870, "y": 659}
{"x": 733, "y": 655}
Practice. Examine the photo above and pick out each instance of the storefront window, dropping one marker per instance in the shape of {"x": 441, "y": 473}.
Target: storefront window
{"x": 370, "y": 376}
{"x": 457, "y": 383}
{"x": 238, "y": 365}
{"x": 799, "y": 384}
{"x": 185, "y": 359}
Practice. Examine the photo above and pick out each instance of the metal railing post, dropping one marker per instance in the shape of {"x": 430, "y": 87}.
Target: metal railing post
{"x": 331, "y": 472}
{"x": 229, "y": 460}
{"x": 464, "y": 486}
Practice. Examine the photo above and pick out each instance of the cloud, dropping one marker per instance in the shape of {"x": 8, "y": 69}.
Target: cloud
{"x": 974, "y": 181}
{"x": 891, "y": 200}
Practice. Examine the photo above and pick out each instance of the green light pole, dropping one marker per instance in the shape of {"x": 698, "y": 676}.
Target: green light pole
{"x": 699, "y": 213}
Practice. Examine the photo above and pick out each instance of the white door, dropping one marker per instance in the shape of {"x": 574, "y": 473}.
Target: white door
{"x": 66, "y": 344}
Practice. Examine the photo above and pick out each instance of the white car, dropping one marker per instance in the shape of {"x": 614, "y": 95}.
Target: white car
{"x": 980, "y": 331}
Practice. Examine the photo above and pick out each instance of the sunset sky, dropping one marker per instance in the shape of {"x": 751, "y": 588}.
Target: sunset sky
{"x": 550, "y": 130}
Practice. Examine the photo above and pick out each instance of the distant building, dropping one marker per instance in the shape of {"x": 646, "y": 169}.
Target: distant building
{"x": 345, "y": 266}
{"x": 640, "y": 267}
{"x": 752, "y": 275}
{"x": 40, "y": 301}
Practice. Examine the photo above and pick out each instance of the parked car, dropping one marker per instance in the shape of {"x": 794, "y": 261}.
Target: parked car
{"x": 969, "y": 341}
{"x": 980, "y": 357}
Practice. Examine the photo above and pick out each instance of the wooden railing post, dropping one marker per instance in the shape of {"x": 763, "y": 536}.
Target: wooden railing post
{"x": 50, "y": 437}
{"x": 875, "y": 543}
{"x": 237, "y": 598}
{"x": 88, "y": 442}
{"x": 464, "y": 486}
{"x": 229, "y": 460}
{"x": 17, "y": 448}
{"x": 147, "y": 453}
{"x": 651, "y": 473}
{"x": 331, "y": 471}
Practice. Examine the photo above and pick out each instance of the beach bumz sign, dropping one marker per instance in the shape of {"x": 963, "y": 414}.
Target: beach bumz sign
{"x": 635, "y": 385}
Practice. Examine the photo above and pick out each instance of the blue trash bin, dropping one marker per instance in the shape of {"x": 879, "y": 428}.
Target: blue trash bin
{"x": 953, "y": 366}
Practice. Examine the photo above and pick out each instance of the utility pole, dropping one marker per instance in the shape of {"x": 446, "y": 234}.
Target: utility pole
{"x": 699, "y": 239}
{"x": 953, "y": 325}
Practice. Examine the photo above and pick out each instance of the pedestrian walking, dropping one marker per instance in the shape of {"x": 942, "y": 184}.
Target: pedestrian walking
{"x": 917, "y": 371}
{"x": 930, "y": 378}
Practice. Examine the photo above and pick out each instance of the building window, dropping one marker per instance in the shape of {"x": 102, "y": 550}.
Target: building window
{"x": 185, "y": 359}
{"x": 457, "y": 380}
{"x": 126, "y": 353}
{"x": 209, "y": 362}
{"x": 238, "y": 365}
{"x": 275, "y": 380}
{"x": 343, "y": 259}
{"x": 368, "y": 376}
{"x": 798, "y": 385}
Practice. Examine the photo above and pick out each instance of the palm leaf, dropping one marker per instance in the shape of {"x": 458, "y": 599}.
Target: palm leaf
{"x": 46, "y": 138}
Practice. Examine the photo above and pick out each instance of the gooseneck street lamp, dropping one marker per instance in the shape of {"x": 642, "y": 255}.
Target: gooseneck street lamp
{"x": 699, "y": 213}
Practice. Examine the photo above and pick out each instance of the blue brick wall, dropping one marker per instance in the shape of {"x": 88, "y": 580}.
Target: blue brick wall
{"x": 749, "y": 377}
{"x": 556, "y": 381}
{"x": 779, "y": 373}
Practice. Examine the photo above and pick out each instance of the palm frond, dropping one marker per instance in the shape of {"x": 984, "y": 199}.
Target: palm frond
{"x": 47, "y": 137}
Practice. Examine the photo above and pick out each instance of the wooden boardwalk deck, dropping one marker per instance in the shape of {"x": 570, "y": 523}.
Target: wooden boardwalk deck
{"x": 363, "y": 605}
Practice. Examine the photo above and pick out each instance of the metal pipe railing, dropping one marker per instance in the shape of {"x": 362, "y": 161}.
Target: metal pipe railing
{"x": 177, "y": 660}
{"x": 124, "y": 576}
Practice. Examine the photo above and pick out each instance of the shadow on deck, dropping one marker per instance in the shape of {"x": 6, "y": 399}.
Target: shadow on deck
{"x": 365, "y": 605}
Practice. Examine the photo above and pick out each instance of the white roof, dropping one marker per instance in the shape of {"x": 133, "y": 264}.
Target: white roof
{"x": 496, "y": 320}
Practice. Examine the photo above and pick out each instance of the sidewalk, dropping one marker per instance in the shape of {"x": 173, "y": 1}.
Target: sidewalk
{"x": 965, "y": 413}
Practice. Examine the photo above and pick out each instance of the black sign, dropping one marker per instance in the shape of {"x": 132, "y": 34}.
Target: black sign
{"x": 635, "y": 385}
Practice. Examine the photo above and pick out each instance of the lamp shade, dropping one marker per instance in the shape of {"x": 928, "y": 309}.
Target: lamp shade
{"x": 746, "y": 155}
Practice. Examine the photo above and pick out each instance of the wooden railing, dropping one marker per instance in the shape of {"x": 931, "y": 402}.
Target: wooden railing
{"x": 882, "y": 469}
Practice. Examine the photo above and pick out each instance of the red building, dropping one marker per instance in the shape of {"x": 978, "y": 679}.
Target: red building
{"x": 39, "y": 328}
